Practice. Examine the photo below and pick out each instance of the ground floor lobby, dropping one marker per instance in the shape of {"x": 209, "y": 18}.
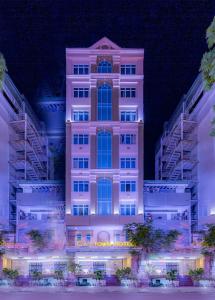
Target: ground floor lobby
{"x": 105, "y": 259}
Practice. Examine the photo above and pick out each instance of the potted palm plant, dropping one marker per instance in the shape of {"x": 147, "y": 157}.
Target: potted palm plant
{"x": 11, "y": 274}
{"x": 99, "y": 277}
{"x": 125, "y": 276}
{"x": 3, "y": 69}
{"x": 172, "y": 276}
{"x": 147, "y": 240}
{"x": 196, "y": 275}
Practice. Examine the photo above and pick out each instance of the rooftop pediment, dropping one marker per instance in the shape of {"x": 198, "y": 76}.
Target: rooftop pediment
{"x": 105, "y": 43}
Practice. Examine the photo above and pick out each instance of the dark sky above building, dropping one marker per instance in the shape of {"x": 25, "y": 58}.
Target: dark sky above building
{"x": 35, "y": 33}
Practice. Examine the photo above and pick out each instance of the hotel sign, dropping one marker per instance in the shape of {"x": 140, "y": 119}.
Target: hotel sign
{"x": 104, "y": 244}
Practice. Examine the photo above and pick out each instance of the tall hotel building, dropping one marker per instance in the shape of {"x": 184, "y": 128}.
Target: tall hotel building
{"x": 104, "y": 153}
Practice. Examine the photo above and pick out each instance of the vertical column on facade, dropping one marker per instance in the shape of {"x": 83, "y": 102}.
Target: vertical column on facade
{"x": 93, "y": 64}
{"x": 93, "y": 151}
{"x": 93, "y": 156}
{"x": 116, "y": 63}
{"x": 115, "y": 206}
{"x": 115, "y": 150}
{"x": 140, "y": 167}
{"x": 93, "y": 195}
{"x": 115, "y": 103}
{"x": 68, "y": 167}
{"x": 93, "y": 103}
{"x": 115, "y": 155}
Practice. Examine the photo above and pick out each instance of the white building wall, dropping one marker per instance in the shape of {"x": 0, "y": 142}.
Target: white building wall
{"x": 206, "y": 158}
{"x": 4, "y": 167}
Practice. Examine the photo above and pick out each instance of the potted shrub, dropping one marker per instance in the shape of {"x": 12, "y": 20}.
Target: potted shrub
{"x": 99, "y": 276}
{"x": 196, "y": 275}
{"x": 73, "y": 270}
{"x": 37, "y": 240}
{"x": 172, "y": 276}
{"x": 58, "y": 274}
{"x": 124, "y": 275}
{"x": 11, "y": 274}
{"x": 36, "y": 275}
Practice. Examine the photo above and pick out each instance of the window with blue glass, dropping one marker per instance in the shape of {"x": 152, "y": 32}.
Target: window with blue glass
{"x": 81, "y": 92}
{"x": 78, "y": 237}
{"x": 128, "y": 163}
{"x": 80, "y": 139}
{"x": 128, "y": 69}
{"x": 80, "y": 186}
{"x": 117, "y": 237}
{"x": 104, "y": 149}
{"x": 60, "y": 266}
{"x": 128, "y": 92}
{"x": 128, "y": 186}
{"x": 104, "y": 196}
{"x": 128, "y": 116}
{"x": 104, "y": 67}
{"x": 104, "y": 109}
{"x": 81, "y": 116}
{"x": 128, "y": 139}
{"x": 88, "y": 237}
{"x": 35, "y": 267}
{"x": 127, "y": 237}
{"x": 80, "y": 163}
{"x": 81, "y": 69}
{"x": 127, "y": 209}
{"x": 80, "y": 210}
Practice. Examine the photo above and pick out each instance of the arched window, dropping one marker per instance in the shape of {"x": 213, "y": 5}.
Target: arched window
{"x": 104, "y": 196}
{"x": 104, "y": 110}
{"x": 104, "y": 67}
{"x": 104, "y": 150}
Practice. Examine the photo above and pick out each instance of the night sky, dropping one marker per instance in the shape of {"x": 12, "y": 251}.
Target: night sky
{"x": 34, "y": 35}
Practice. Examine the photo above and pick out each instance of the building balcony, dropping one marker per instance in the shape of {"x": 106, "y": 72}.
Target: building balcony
{"x": 97, "y": 220}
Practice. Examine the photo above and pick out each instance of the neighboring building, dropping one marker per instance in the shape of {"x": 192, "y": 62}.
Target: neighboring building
{"x": 104, "y": 152}
{"x": 23, "y": 149}
{"x": 167, "y": 204}
{"x": 41, "y": 206}
{"x": 51, "y": 109}
{"x": 186, "y": 151}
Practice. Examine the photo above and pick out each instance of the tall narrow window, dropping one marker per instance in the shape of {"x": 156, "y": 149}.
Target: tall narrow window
{"x": 104, "y": 67}
{"x": 35, "y": 267}
{"x": 104, "y": 112}
{"x": 104, "y": 196}
{"x": 104, "y": 150}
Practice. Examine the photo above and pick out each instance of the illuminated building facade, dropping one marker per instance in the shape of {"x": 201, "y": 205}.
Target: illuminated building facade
{"x": 104, "y": 152}
{"x": 104, "y": 169}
